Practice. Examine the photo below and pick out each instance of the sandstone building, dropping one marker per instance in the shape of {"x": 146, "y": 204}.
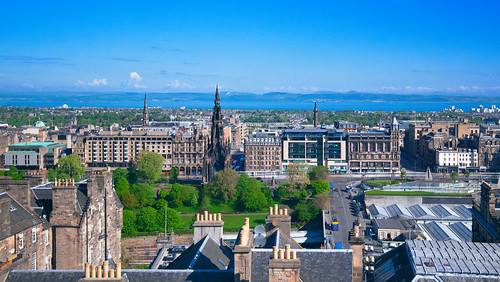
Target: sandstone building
{"x": 375, "y": 151}
{"x": 86, "y": 219}
{"x": 25, "y": 238}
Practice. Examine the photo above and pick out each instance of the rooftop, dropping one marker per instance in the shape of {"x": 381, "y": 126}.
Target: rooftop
{"x": 440, "y": 260}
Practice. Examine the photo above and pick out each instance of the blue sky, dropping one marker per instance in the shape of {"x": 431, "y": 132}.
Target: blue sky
{"x": 397, "y": 46}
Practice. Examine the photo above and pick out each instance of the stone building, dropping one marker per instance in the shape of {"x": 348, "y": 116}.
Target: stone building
{"x": 86, "y": 218}
{"x": 34, "y": 155}
{"x": 486, "y": 215}
{"x": 119, "y": 149}
{"x": 238, "y": 133}
{"x": 375, "y": 151}
{"x": 25, "y": 238}
{"x": 458, "y": 159}
{"x": 262, "y": 155}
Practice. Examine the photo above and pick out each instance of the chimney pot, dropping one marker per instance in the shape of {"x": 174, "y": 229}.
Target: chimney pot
{"x": 287, "y": 251}
{"x": 205, "y": 215}
{"x": 118, "y": 270}
{"x": 197, "y": 217}
{"x": 220, "y": 217}
{"x": 294, "y": 255}
{"x": 275, "y": 252}
{"x": 276, "y": 209}
{"x": 281, "y": 254}
{"x": 99, "y": 271}
{"x": 111, "y": 273}
{"x": 105, "y": 269}
{"x": 93, "y": 271}
{"x": 87, "y": 270}
{"x": 286, "y": 211}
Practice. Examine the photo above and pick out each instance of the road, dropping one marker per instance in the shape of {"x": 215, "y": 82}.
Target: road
{"x": 339, "y": 207}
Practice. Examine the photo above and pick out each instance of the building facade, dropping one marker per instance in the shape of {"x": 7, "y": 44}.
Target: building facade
{"x": 263, "y": 155}
{"x": 25, "y": 238}
{"x": 33, "y": 155}
{"x": 86, "y": 219}
{"x": 313, "y": 147}
{"x": 486, "y": 215}
{"x": 375, "y": 151}
{"x": 459, "y": 159}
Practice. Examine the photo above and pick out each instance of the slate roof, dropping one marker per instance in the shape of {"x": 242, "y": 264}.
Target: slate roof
{"x": 43, "y": 196}
{"x": 316, "y": 264}
{"x": 447, "y": 260}
{"x": 447, "y": 201}
{"x": 206, "y": 254}
{"x": 378, "y": 211}
{"x": 397, "y": 209}
{"x": 439, "y": 231}
{"x": 20, "y": 218}
{"x": 133, "y": 275}
{"x": 277, "y": 238}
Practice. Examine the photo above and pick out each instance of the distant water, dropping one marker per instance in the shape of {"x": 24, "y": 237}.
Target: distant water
{"x": 283, "y": 101}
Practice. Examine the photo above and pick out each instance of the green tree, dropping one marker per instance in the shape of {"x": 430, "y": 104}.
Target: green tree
{"x": 205, "y": 201}
{"x": 174, "y": 173}
{"x": 132, "y": 176}
{"x": 304, "y": 212}
{"x": 318, "y": 172}
{"x": 163, "y": 193}
{"x": 454, "y": 175}
{"x": 194, "y": 199}
{"x": 403, "y": 174}
{"x": 147, "y": 219}
{"x": 14, "y": 173}
{"x": 119, "y": 173}
{"x": 319, "y": 186}
{"x": 297, "y": 176}
{"x": 52, "y": 174}
{"x": 223, "y": 185}
{"x": 467, "y": 173}
{"x": 128, "y": 200}
{"x": 129, "y": 222}
{"x": 252, "y": 198}
{"x": 70, "y": 166}
{"x": 150, "y": 165}
{"x": 143, "y": 193}
{"x": 122, "y": 186}
{"x": 173, "y": 219}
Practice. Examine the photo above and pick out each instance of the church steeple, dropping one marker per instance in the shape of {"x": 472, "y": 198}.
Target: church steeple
{"x": 145, "y": 113}
{"x": 217, "y": 100}
{"x": 315, "y": 115}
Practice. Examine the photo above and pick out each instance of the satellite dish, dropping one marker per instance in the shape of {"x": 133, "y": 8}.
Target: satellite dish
{"x": 260, "y": 241}
{"x": 259, "y": 230}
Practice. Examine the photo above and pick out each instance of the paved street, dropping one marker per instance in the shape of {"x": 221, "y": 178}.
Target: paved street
{"x": 339, "y": 207}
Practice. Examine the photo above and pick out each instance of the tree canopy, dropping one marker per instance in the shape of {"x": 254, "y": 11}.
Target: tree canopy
{"x": 150, "y": 165}
{"x": 70, "y": 167}
{"x": 223, "y": 185}
{"x": 318, "y": 172}
{"x": 319, "y": 186}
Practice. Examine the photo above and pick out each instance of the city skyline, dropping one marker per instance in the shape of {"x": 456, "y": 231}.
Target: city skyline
{"x": 401, "y": 47}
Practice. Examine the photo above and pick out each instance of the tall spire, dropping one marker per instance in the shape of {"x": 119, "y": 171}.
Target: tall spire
{"x": 315, "y": 114}
{"x": 217, "y": 100}
{"x": 145, "y": 114}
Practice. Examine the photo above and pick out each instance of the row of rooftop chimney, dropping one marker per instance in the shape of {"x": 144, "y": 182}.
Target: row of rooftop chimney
{"x": 97, "y": 271}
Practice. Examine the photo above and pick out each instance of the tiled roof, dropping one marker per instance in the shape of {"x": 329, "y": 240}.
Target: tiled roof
{"x": 20, "y": 218}
{"x": 206, "y": 254}
{"x": 316, "y": 264}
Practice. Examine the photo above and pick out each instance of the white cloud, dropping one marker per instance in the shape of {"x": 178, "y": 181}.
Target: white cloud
{"x": 178, "y": 84}
{"x": 135, "y": 80}
{"x": 95, "y": 82}
{"x": 28, "y": 85}
{"x": 98, "y": 82}
{"x": 135, "y": 76}
{"x": 2, "y": 74}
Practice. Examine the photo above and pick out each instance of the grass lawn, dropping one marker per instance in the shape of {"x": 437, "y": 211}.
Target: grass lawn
{"x": 380, "y": 182}
{"x": 414, "y": 193}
